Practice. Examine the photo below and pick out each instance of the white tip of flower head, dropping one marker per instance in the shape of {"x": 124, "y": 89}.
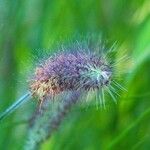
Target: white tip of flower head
{"x": 106, "y": 75}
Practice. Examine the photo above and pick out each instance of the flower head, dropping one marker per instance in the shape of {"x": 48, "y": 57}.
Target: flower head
{"x": 70, "y": 71}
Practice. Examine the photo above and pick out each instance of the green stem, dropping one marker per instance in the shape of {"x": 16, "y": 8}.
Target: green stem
{"x": 15, "y": 105}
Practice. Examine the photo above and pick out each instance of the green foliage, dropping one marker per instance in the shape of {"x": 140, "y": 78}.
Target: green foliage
{"x": 31, "y": 28}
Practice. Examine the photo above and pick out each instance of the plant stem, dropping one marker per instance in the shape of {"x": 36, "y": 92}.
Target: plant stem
{"x": 15, "y": 105}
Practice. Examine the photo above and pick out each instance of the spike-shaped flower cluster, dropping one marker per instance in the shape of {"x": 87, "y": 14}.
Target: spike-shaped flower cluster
{"x": 70, "y": 71}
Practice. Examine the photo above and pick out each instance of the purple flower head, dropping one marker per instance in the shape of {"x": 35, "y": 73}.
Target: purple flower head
{"x": 70, "y": 71}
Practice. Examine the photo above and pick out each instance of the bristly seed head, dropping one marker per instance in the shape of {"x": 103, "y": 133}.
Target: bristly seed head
{"x": 70, "y": 71}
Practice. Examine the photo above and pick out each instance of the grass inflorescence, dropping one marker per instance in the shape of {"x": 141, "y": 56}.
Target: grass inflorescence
{"x": 78, "y": 69}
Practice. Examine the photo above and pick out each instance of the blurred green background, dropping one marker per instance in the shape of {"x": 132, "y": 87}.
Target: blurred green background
{"x": 30, "y": 28}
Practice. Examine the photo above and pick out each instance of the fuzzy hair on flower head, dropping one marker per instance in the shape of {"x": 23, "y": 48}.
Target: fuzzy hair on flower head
{"x": 80, "y": 68}
{"x": 72, "y": 71}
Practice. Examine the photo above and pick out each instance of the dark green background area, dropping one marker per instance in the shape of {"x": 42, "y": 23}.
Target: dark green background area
{"x": 31, "y": 28}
